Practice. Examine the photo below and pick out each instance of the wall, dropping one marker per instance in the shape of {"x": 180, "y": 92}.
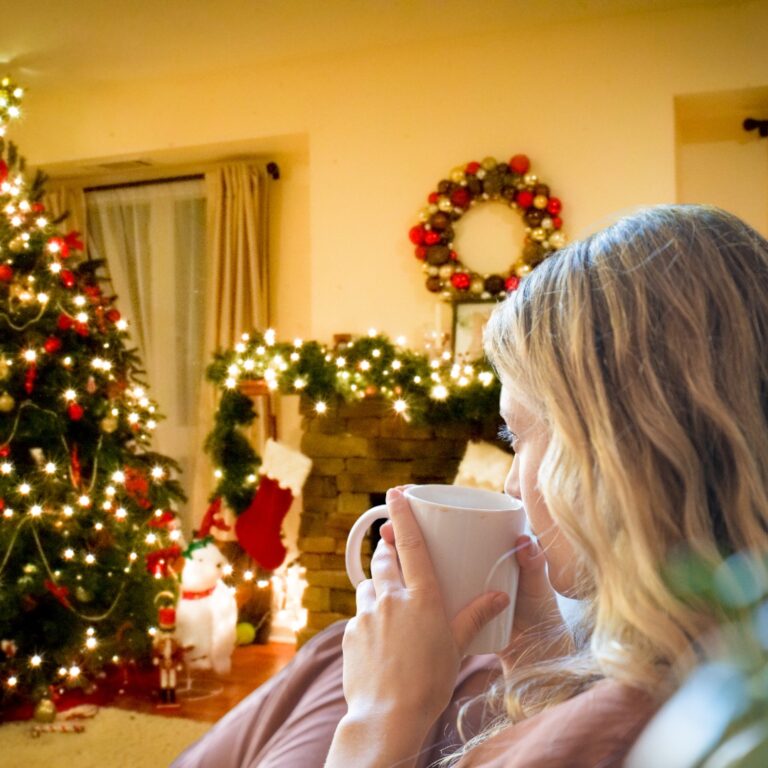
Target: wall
{"x": 592, "y": 103}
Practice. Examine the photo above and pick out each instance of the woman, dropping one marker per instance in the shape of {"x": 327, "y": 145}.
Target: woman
{"x": 634, "y": 393}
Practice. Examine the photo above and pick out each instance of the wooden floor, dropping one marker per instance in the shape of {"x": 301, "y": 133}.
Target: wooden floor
{"x": 207, "y": 696}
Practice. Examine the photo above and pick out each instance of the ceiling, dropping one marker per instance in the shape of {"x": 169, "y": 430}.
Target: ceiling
{"x": 51, "y": 43}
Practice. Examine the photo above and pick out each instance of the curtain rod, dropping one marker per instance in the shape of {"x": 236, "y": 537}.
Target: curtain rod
{"x": 273, "y": 169}
{"x": 145, "y": 183}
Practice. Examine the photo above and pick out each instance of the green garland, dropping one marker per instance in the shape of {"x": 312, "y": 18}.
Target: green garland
{"x": 419, "y": 389}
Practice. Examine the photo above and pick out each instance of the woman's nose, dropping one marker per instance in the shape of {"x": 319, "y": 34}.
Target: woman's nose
{"x": 512, "y": 483}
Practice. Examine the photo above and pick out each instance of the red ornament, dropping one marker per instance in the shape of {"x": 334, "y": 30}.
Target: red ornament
{"x": 29, "y": 378}
{"x": 75, "y": 411}
{"x": 557, "y": 222}
{"x": 65, "y": 322}
{"x": 511, "y": 283}
{"x": 163, "y": 520}
{"x": 6, "y": 273}
{"x": 432, "y": 237}
{"x": 37, "y": 207}
{"x": 416, "y": 234}
{"x": 52, "y": 344}
{"x": 472, "y": 168}
{"x": 81, "y": 329}
{"x": 554, "y": 206}
{"x": 3, "y": 170}
{"x": 524, "y": 198}
{"x": 159, "y": 561}
{"x": 73, "y": 242}
{"x": 520, "y": 164}
{"x": 59, "y": 246}
{"x": 60, "y": 593}
{"x": 75, "y": 467}
{"x": 432, "y": 198}
{"x": 460, "y": 197}
{"x": 137, "y": 487}
{"x": 113, "y": 315}
{"x": 453, "y": 256}
{"x": 67, "y": 278}
{"x": 5, "y": 450}
{"x": 460, "y": 281}
{"x": 421, "y": 252}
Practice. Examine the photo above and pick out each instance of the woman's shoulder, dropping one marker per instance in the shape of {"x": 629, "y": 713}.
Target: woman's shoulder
{"x": 595, "y": 728}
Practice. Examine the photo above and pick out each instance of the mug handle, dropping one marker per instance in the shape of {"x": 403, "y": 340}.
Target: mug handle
{"x": 355, "y": 541}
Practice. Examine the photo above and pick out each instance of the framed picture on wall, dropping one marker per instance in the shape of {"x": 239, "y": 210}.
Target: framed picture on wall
{"x": 469, "y": 319}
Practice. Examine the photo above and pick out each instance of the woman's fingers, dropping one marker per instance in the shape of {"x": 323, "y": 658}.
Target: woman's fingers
{"x": 385, "y": 571}
{"x": 473, "y": 617}
{"x": 365, "y": 596}
{"x": 387, "y": 532}
{"x": 418, "y": 573}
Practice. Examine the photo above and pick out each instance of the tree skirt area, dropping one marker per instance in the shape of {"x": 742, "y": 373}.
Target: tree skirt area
{"x": 116, "y": 738}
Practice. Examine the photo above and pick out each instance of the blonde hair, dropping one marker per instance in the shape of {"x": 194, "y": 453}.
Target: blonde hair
{"x": 645, "y": 349}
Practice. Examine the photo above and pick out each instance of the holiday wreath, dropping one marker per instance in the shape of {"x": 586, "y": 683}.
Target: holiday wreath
{"x": 474, "y": 183}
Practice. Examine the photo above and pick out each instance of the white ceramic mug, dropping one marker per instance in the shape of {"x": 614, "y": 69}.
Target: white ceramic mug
{"x": 470, "y": 535}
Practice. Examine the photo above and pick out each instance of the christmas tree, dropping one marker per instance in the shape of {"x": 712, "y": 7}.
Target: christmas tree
{"x": 87, "y": 531}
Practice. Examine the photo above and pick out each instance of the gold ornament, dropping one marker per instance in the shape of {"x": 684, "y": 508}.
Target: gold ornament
{"x": 108, "y": 424}
{"x": 83, "y": 595}
{"x": 489, "y": 163}
{"x": 6, "y": 402}
{"x": 16, "y": 245}
{"x": 557, "y": 239}
{"x": 538, "y": 234}
{"x": 445, "y": 204}
{"x": 547, "y": 223}
{"x": 476, "y": 286}
{"x": 45, "y": 711}
{"x": 523, "y": 270}
{"x": 5, "y": 369}
{"x": 446, "y": 271}
{"x": 458, "y": 175}
{"x": 540, "y": 201}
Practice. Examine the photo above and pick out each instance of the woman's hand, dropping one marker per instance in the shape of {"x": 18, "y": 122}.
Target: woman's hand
{"x": 401, "y": 653}
{"x": 538, "y": 630}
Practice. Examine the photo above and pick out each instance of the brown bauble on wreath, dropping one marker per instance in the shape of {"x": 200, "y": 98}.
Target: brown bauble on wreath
{"x": 512, "y": 183}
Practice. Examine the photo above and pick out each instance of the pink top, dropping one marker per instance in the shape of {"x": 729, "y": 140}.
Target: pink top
{"x": 592, "y": 730}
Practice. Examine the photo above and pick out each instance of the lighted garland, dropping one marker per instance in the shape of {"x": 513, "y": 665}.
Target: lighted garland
{"x": 417, "y": 388}
{"x": 467, "y": 186}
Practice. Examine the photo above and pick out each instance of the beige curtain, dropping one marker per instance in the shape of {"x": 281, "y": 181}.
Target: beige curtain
{"x": 238, "y": 298}
{"x": 70, "y": 199}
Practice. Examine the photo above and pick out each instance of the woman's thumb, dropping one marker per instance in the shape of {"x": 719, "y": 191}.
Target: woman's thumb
{"x": 472, "y": 618}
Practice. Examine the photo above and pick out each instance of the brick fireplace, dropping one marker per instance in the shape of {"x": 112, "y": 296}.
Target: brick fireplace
{"x": 358, "y": 451}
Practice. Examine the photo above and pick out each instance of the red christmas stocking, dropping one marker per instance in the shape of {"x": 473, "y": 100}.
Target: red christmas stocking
{"x": 283, "y": 473}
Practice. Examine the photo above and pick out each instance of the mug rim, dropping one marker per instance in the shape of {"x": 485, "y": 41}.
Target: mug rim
{"x": 511, "y": 504}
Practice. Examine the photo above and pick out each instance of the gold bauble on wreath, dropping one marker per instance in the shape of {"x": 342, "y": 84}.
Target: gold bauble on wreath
{"x": 467, "y": 186}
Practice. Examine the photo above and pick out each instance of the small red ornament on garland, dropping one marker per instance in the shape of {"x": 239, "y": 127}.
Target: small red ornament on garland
{"x": 511, "y": 183}
{"x": 6, "y": 273}
{"x": 75, "y": 411}
{"x": 29, "y": 378}
{"x": 52, "y": 344}
{"x": 67, "y": 277}
{"x": 65, "y": 322}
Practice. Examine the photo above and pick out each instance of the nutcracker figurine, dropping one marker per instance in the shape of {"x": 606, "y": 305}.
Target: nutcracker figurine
{"x": 167, "y": 651}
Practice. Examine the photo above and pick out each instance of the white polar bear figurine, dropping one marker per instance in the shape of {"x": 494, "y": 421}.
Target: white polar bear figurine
{"x": 206, "y": 613}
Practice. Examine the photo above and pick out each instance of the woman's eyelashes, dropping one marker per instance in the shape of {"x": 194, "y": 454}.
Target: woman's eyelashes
{"x": 508, "y": 436}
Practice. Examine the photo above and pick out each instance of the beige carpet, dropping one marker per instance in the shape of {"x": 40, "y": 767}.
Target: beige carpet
{"x": 114, "y": 738}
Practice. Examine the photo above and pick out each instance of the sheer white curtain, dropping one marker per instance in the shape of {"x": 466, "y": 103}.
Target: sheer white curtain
{"x": 153, "y": 238}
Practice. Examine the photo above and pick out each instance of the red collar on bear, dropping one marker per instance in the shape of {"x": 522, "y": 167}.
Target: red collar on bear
{"x": 185, "y": 595}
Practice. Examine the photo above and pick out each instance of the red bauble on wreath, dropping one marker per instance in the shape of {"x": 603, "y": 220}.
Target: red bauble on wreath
{"x": 511, "y": 183}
